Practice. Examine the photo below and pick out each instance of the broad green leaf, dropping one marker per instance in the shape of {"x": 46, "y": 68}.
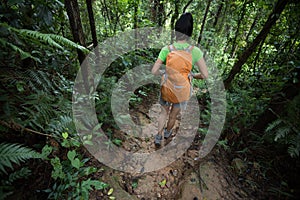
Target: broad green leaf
{"x": 76, "y": 163}
{"x": 71, "y": 155}
{"x": 65, "y": 135}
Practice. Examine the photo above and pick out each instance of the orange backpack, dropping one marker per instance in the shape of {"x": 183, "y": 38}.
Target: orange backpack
{"x": 176, "y": 81}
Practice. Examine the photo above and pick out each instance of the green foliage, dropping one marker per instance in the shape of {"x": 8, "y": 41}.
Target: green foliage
{"x": 70, "y": 176}
{"x": 243, "y": 109}
{"x": 38, "y": 66}
{"x": 45, "y": 105}
{"x": 35, "y": 37}
{"x": 281, "y": 191}
{"x": 6, "y": 185}
{"x": 11, "y": 154}
{"x": 75, "y": 162}
{"x": 17, "y": 49}
{"x": 22, "y": 173}
{"x": 286, "y": 130}
{"x": 14, "y": 153}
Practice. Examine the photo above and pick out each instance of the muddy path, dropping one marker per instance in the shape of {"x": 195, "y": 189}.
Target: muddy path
{"x": 186, "y": 178}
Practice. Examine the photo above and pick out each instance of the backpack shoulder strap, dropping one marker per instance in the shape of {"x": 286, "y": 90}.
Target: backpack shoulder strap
{"x": 189, "y": 49}
{"x": 171, "y": 48}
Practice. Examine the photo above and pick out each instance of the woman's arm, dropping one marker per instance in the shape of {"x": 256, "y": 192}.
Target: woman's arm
{"x": 155, "y": 69}
{"x": 203, "y": 70}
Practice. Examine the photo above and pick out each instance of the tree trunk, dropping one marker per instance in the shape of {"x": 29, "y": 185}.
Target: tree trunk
{"x": 260, "y": 37}
{"x": 135, "y": 15}
{"x": 253, "y": 25}
{"x": 241, "y": 18}
{"x": 256, "y": 60}
{"x": 92, "y": 22}
{"x": 186, "y": 6}
{"x": 204, "y": 20}
{"x": 157, "y": 12}
{"x": 161, "y": 13}
{"x": 217, "y": 16}
{"x": 107, "y": 18}
{"x": 174, "y": 17}
{"x": 76, "y": 27}
{"x": 77, "y": 32}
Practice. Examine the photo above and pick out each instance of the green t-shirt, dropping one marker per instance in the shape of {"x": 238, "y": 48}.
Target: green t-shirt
{"x": 197, "y": 54}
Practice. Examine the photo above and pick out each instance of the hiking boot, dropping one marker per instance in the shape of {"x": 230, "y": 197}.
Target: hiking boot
{"x": 167, "y": 133}
{"x": 157, "y": 140}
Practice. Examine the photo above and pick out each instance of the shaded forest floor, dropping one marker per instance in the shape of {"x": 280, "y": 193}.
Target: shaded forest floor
{"x": 217, "y": 176}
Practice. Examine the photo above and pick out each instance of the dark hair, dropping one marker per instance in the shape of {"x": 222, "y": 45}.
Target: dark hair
{"x": 184, "y": 26}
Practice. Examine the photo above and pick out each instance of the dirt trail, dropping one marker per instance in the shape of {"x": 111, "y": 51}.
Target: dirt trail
{"x": 185, "y": 178}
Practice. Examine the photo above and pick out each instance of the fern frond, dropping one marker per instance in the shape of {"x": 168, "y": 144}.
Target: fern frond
{"x": 294, "y": 148}
{"x": 293, "y": 151}
{"x": 14, "y": 153}
{"x": 58, "y": 126}
{"x": 68, "y": 42}
{"x": 22, "y": 53}
{"x": 282, "y": 132}
{"x": 22, "y": 173}
{"x": 3, "y": 193}
{"x": 273, "y": 125}
{"x": 39, "y": 80}
{"x": 37, "y": 35}
{"x": 51, "y": 39}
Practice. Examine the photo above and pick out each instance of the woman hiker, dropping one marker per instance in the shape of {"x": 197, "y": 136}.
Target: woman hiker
{"x": 179, "y": 58}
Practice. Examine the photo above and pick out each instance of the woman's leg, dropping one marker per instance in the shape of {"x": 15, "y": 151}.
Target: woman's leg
{"x": 172, "y": 117}
{"x": 162, "y": 118}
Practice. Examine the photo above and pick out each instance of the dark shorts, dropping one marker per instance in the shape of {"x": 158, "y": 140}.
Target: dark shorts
{"x": 181, "y": 105}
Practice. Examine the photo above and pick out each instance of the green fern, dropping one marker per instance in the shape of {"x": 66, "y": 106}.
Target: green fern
{"x": 14, "y": 153}
{"x": 47, "y": 38}
{"x": 60, "y": 125}
{"x": 286, "y": 130}
{"x": 29, "y": 34}
{"x": 5, "y": 191}
{"x": 48, "y": 99}
{"x": 22, "y": 173}
{"x": 273, "y": 125}
{"x": 22, "y": 53}
{"x": 6, "y": 186}
{"x": 67, "y": 42}
{"x": 282, "y": 132}
{"x": 39, "y": 80}
{"x": 37, "y": 111}
{"x": 294, "y": 148}
{"x": 51, "y": 39}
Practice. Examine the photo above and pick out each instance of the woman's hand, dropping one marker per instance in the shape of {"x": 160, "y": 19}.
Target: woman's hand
{"x": 202, "y": 68}
{"x": 155, "y": 69}
{"x": 198, "y": 76}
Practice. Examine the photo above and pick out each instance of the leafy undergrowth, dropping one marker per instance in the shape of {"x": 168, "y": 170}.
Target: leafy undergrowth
{"x": 62, "y": 168}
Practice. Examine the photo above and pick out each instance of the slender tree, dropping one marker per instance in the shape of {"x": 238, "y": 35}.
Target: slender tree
{"x": 218, "y": 14}
{"x": 204, "y": 20}
{"x": 78, "y": 35}
{"x": 92, "y": 22}
{"x": 76, "y": 26}
{"x": 240, "y": 20}
{"x": 135, "y": 14}
{"x": 255, "y": 20}
{"x": 273, "y": 17}
{"x": 175, "y": 14}
{"x": 186, "y": 6}
{"x": 174, "y": 17}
